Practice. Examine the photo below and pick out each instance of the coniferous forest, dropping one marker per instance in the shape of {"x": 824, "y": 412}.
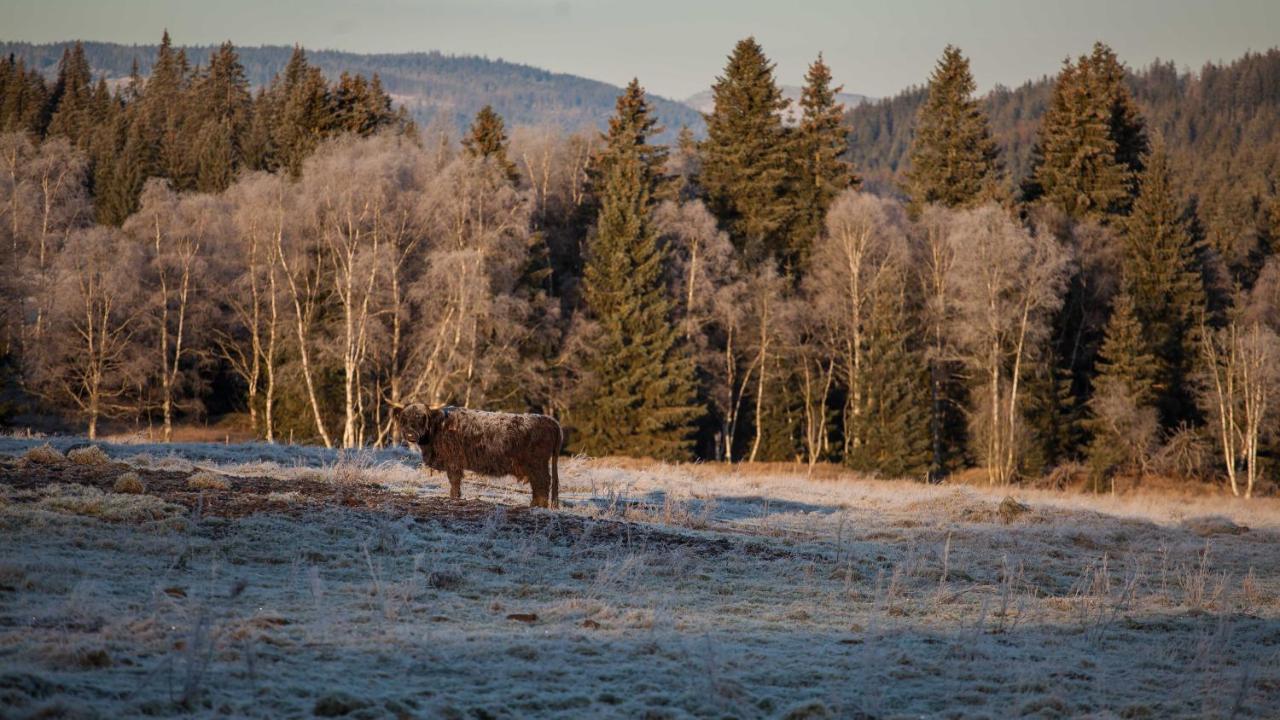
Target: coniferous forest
{"x": 1076, "y": 278}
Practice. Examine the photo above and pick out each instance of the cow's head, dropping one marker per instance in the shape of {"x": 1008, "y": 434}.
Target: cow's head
{"x": 418, "y": 423}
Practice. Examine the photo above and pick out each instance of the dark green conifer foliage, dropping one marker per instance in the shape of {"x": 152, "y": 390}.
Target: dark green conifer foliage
{"x": 745, "y": 164}
{"x": 1125, "y": 357}
{"x": 643, "y": 402}
{"x": 304, "y": 113}
{"x": 1091, "y": 140}
{"x": 954, "y": 161}
{"x": 72, "y": 99}
{"x": 1164, "y": 279}
{"x": 223, "y": 105}
{"x": 821, "y": 172}
{"x": 630, "y": 129}
{"x": 488, "y": 139}
{"x": 23, "y": 98}
{"x": 895, "y": 435}
{"x": 1127, "y": 375}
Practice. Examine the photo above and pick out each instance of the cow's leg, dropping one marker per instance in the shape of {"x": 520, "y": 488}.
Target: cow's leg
{"x": 455, "y": 484}
{"x": 540, "y": 482}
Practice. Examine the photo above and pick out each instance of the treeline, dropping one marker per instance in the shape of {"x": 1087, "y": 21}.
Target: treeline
{"x": 1220, "y": 127}
{"x": 735, "y": 298}
{"x": 434, "y": 88}
{"x": 196, "y": 126}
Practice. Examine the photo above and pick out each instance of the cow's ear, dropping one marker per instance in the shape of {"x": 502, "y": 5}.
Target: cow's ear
{"x": 433, "y": 420}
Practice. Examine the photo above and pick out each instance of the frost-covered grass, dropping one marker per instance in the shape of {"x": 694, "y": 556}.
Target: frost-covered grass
{"x": 657, "y": 591}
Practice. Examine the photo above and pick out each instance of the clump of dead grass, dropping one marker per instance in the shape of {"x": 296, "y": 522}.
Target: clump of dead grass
{"x": 76, "y": 499}
{"x": 88, "y": 455}
{"x": 45, "y": 454}
{"x": 205, "y": 480}
{"x": 129, "y": 483}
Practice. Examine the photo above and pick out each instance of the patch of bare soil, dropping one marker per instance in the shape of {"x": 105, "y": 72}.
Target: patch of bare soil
{"x": 298, "y": 496}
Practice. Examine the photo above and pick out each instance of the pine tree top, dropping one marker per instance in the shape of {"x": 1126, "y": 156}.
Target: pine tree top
{"x": 488, "y": 139}
{"x": 954, "y": 160}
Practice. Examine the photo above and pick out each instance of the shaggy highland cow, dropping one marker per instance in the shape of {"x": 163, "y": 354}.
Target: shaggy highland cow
{"x": 488, "y": 443}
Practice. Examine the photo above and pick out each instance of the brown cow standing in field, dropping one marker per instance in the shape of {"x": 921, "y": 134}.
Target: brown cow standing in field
{"x": 488, "y": 443}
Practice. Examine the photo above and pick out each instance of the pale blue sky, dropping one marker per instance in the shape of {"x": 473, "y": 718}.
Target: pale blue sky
{"x": 676, "y": 47}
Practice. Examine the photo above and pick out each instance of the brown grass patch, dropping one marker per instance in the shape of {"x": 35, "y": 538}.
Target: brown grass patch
{"x": 88, "y": 455}
{"x": 129, "y": 483}
{"x": 45, "y": 454}
{"x": 205, "y": 480}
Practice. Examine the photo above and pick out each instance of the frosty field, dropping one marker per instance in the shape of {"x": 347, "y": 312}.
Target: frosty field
{"x": 289, "y": 582}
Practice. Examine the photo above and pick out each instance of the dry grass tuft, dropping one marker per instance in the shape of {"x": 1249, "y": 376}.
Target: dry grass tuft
{"x": 74, "y": 499}
{"x": 88, "y": 455}
{"x": 1010, "y": 509}
{"x": 129, "y": 483}
{"x": 1211, "y": 525}
{"x": 44, "y": 455}
{"x": 205, "y": 480}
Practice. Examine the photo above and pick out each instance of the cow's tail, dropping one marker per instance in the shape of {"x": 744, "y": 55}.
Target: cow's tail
{"x": 555, "y": 467}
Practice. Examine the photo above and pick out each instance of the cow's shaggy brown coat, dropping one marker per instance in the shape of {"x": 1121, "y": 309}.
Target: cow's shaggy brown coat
{"x": 453, "y": 440}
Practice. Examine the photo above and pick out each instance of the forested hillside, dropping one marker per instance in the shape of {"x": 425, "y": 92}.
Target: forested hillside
{"x": 430, "y": 85}
{"x": 1220, "y": 125}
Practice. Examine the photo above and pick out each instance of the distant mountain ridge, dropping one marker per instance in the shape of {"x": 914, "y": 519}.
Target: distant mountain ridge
{"x": 431, "y": 85}
{"x": 705, "y": 101}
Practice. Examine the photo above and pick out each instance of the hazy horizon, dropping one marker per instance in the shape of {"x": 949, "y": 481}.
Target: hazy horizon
{"x": 677, "y": 49}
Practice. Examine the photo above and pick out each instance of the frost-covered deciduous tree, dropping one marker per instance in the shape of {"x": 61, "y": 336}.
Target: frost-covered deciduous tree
{"x": 864, "y": 243}
{"x": 92, "y": 359}
{"x": 1241, "y": 389}
{"x": 176, "y": 231}
{"x": 1005, "y": 283}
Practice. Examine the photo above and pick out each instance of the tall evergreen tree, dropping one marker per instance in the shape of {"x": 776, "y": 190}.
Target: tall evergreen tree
{"x": 303, "y": 113}
{"x": 954, "y": 161}
{"x": 631, "y": 130}
{"x": 644, "y": 396}
{"x": 1091, "y": 141}
{"x": 23, "y": 97}
{"x": 1125, "y": 357}
{"x": 72, "y": 99}
{"x": 223, "y": 106}
{"x": 821, "y": 172}
{"x": 1164, "y": 279}
{"x": 894, "y": 434}
{"x": 488, "y": 139}
{"x": 745, "y": 164}
{"x": 1123, "y": 392}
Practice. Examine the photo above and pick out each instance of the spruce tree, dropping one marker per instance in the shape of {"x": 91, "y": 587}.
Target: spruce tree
{"x": 643, "y": 402}
{"x": 487, "y": 138}
{"x": 821, "y": 172}
{"x": 1091, "y": 141}
{"x": 1125, "y": 357}
{"x": 303, "y": 112}
{"x": 223, "y": 106}
{"x": 631, "y": 130}
{"x": 72, "y": 99}
{"x": 745, "y": 165}
{"x": 954, "y": 161}
{"x": 1164, "y": 280}
{"x": 895, "y": 439}
{"x": 1123, "y": 390}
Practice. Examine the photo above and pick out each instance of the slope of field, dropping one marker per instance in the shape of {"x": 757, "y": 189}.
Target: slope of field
{"x": 431, "y": 85}
{"x": 272, "y": 581}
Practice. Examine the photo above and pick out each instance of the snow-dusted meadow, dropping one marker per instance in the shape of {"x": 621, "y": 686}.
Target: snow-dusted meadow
{"x": 331, "y": 585}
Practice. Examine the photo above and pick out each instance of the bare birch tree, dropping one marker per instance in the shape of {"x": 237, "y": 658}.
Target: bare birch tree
{"x": 91, "y": 359}
{"x": 863, "y": 243}
{"x": 176, "y": 231}
{"x": 1004, "y": 284}
{"x": 1242, "y": 365}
